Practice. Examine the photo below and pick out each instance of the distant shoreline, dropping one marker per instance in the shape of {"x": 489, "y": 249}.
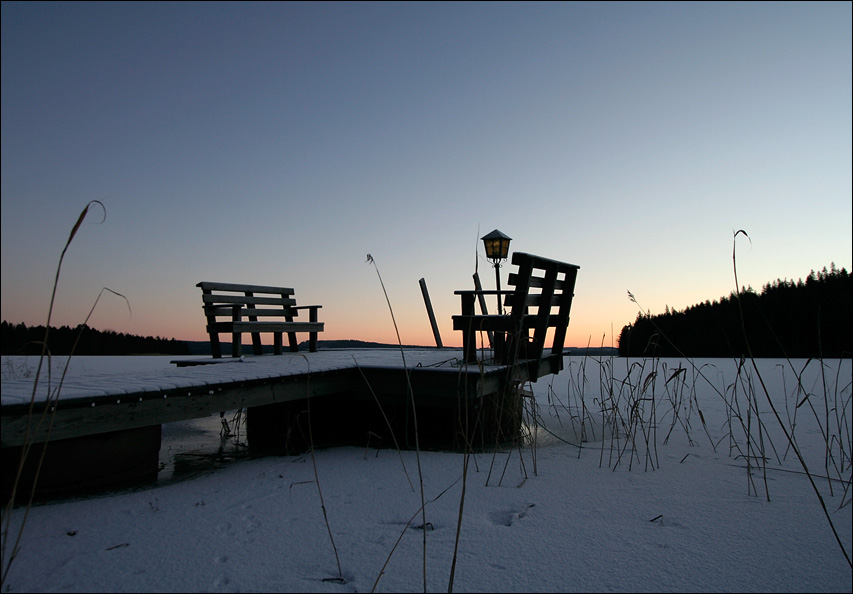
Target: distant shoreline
{"x": 203, "y": 347}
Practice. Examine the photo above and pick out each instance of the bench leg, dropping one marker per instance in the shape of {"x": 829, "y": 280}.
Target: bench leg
{"x": 236, "y": 344}
{"x": 215, "y": 348}
{"x": 257, "y": 347}
{"x": 469, "y": 334}
{"x": 500, "y": 346}
{"x": 312, "y": 336}
{"x": 469, "y": 346}
{"x": 236, "y": 337}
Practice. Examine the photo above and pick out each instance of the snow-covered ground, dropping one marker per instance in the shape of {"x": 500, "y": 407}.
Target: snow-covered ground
{"x": 654, "y": 500}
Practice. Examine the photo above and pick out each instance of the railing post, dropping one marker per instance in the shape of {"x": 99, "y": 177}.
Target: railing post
{"x": 430, "y": 313}
{"x": 483, "y": 309}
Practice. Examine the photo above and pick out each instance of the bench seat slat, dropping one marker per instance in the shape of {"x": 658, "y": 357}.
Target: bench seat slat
{"x": 227, "y": 310}
{"x": 278, "y": 326}
{"x": 285, "y": 311}
{"x": 250, "y": 326}
{"x": 279, "y": 313}
{"x": 494, "y": 322}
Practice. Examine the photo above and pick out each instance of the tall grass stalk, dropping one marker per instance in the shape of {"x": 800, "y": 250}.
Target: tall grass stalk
{"x": 8, "y": 551}
{"x": 465, "y": 461}
{"x": 406, "y": 527}
{"x": 411, "y": 397}
{"x": 464, "y": 421}
{"x": 794, "y": 447}
{"x": 387, "y": 422}
{"x": 756, "y": 447}
{"x": 626, "y": 406}
{"x": 340, "y": 578}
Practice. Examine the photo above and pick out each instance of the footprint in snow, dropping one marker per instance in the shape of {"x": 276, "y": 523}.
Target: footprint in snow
{"x": 510, "y": 517}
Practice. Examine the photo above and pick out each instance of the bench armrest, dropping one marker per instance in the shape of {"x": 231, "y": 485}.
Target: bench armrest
{"x": 468, "y": 297}
{"x": 484, "y": 292}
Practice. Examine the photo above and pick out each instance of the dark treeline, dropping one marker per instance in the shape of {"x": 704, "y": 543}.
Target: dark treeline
{"x": 22, "y": 340}
{"x": 810, "y": 318}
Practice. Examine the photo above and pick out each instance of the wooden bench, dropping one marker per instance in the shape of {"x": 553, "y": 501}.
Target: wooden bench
{"x": 235, "y": 309}
{"x": 541, "y": 283}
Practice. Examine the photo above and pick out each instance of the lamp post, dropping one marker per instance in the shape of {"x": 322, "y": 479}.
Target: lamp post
{"x": 497, "y": 249}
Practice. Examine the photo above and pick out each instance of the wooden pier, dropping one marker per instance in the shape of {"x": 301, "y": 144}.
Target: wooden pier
{"x": 105, "y": 428}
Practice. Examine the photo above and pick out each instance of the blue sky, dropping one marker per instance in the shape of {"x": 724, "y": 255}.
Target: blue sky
{"x": 281, "y": 143}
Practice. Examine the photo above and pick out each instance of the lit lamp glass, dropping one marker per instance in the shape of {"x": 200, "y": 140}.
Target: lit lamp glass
{"x": 497, "y": 245}
{"x": 497, "y": 249}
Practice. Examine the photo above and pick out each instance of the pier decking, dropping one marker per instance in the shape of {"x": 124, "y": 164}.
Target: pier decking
{"x": 351, "y": 392}
{"x": 91, "y": 403}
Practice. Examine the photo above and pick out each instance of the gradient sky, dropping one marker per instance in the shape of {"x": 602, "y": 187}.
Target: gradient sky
{"x": 281, "y": 143}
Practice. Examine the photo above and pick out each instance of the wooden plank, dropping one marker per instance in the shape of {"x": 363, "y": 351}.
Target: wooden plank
{"x": 469, "y": 336}
{"x": 541, "y": 300}
{"x": 196, "y": 362}
{"x": 518, "y": 332}
{"x": 483, "y": 309}
{"x": 236, "y": 336}
{"x": 257, "y": 347}
{"x": 219, "y": 327}
{"x": 563, "y": 314}
{"x": 535, "y": 281}
{"x": 248, "y": 326}
{"x": 430, "y": 313}
{"x": 539, "y": 261}
{"x": 312, "y": 337}
{"x": 228, "y": 299}
{"x": 543, "y": 316}
{"x": 279, "y": 312}
{"x": 495, "y": 322}
{"x": 291, "y": 336}
{"x": 216, "y": 286}
{"x": 226, "y": 311}
{"x": 215, "y": 347}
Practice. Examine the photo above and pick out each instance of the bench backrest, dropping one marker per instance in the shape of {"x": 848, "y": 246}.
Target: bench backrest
{"x": 227, "y": 304}
{"x": 548, "y": 286}
{"x": 254, "y": 301}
